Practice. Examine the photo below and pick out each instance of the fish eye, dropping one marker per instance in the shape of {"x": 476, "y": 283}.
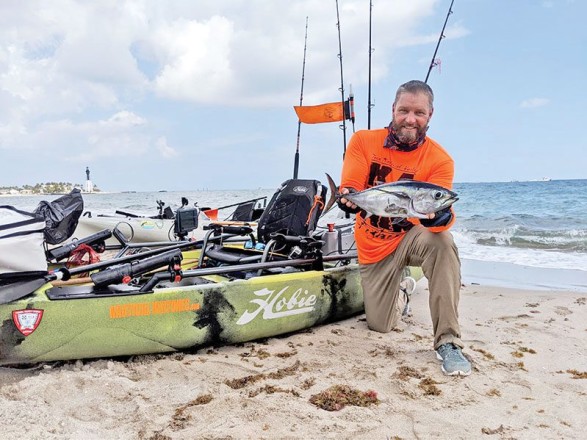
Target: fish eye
{"x": 438, "y": 195}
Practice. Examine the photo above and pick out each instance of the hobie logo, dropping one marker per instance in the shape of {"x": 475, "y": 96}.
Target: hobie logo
{"x": 27, "y": 321}
{"x": 300, "y": 189}
{"x": 275, "y": 304}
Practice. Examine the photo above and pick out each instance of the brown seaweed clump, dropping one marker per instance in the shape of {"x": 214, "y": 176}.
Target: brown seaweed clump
{"x": 337, "y": 397}
{"x": 181, "y": 415}
{"x": 428, "y": 385}
{"x": 578, "y": 374}
{"x": 242, "y": 382}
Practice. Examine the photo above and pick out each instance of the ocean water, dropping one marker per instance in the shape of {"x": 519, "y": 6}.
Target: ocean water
{"x": 539, "y": 224}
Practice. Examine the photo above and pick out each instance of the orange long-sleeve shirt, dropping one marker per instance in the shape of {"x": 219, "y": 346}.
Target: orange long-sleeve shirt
{"x": 367, "y": 163}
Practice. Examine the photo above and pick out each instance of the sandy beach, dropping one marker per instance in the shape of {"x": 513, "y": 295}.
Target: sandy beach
{"x": 529, "y": 381}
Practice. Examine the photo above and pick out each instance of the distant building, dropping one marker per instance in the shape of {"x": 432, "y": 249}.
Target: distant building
{"x": 89, "y": 186}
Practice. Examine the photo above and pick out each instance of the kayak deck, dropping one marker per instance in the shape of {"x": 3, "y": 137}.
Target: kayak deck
{"x": 76, "y": 322}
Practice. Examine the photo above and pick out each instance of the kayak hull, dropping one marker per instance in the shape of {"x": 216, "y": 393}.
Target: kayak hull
{"x": 216, "y": 311}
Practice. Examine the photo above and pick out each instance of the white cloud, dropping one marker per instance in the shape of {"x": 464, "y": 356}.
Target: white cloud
{"x": 196, "y": 59}
{"x": 534, "y": 102}
{"x": 125, "y": 119}
{"x": 164, "y": 149}
{"x": 122, "y": 135}
{"x": 65, "y": 64}
{"x": 69, "y": 55}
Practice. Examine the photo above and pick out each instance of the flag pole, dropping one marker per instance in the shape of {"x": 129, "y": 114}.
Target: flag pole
{"x": 343, "y": 126}
{"x": 297, "y": 156}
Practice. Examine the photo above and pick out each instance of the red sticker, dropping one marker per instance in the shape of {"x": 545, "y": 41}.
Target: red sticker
{"x": 27, "y": 321}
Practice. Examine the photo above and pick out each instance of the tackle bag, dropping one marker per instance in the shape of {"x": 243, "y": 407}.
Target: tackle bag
{"x": 22, "y": 253}
{"x": 293, "y": 210}
{"x": 61, "y": 216}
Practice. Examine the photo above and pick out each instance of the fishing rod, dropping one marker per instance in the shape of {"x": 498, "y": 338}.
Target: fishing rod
{"x": 433, "y": 62}
{"x": 369, "y": 105}
{"x": 297, "y": 156}
{"x": 349, "y": 108}
{"x": 343, "y": 126}
{"x": 239, "y": 203}
{"x": 223, "y": 270}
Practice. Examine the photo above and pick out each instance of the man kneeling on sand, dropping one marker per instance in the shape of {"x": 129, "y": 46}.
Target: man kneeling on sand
{"x": 385, "y": 245}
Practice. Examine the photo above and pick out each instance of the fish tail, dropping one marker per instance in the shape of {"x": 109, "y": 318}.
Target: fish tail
{"x": 334, "y": 194}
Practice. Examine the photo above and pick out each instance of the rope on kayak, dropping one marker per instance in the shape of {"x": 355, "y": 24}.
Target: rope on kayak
{"x": 82, "y": 256}
{"x": 317, "y": 201}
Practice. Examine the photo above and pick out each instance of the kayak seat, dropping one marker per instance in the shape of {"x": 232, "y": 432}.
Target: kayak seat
{"x": 247, "y": 212}
{"x": 292, "y": 213}
{"x": 243, "y": 212}
{"x": 293, "y": 210}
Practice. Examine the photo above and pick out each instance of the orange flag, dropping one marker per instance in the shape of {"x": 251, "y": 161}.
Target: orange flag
{"x": 316, "y": 114}
{"x": 212, "y": 214}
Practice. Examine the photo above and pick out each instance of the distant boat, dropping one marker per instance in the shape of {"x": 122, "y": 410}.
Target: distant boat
{"x": 544, "y": 179}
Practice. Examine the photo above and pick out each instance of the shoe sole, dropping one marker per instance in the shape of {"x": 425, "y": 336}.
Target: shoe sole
{"x": 454, "y": 373}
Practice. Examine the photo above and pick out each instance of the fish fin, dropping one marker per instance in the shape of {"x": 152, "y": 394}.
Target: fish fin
{"x": 334, "y": 194}
{"x": 398, "y": 220}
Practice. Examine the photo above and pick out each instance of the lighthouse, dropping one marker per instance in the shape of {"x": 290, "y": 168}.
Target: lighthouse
{"x": 89, "y": 186}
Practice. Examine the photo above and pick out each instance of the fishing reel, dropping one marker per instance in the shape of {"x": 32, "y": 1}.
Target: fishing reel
{"x": 299, "y": 246}
{"x": 127, "y": 272}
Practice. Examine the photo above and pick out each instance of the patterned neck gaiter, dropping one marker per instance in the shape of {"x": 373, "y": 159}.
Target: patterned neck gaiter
{"x": 392, "y": 141}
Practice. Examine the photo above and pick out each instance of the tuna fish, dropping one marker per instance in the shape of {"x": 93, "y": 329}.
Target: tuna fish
{"x": 402, "y": 199}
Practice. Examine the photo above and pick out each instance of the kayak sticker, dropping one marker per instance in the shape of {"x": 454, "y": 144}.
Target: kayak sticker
{"x": 27, "y": 321}
{"x": 152, "y": 308}
{"x": 278, "y": 304}
{"x": 150, "y": 224}
{"x": 147, "y": 225}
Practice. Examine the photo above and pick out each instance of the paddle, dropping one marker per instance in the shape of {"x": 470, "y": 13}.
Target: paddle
{"x": 12, "y": 292}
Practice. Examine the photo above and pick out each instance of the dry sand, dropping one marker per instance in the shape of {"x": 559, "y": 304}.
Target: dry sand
{"x": 528, "y": 349}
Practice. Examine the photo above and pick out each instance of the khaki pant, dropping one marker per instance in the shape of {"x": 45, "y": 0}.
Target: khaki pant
{"x": 438, "y": 256}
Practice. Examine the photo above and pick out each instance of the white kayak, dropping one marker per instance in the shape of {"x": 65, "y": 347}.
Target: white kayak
{"x": 137, "y": 229}
{"x": 161, "y": 228}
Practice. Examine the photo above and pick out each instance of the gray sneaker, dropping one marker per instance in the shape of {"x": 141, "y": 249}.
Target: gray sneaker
{"x": 453, "y": 361}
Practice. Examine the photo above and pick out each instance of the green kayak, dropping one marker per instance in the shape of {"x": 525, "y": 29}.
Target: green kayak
{"x": 178, "y": 310}
{"x": 241, "y": 282}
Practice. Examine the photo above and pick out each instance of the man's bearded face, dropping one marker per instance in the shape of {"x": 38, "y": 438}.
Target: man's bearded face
{"x": 411, "y": 114}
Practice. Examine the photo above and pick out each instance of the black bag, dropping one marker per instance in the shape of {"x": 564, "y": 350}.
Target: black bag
{"x": 293, "y": 210}
{"x": 61, "y": 216}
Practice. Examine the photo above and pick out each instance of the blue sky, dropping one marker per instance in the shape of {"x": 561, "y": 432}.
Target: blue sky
{"x": 192, "y": 94}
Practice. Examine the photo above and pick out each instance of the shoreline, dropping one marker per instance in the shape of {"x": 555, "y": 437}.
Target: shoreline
{"x": 519, "y": 277}
{"x": 59, "y": 194}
